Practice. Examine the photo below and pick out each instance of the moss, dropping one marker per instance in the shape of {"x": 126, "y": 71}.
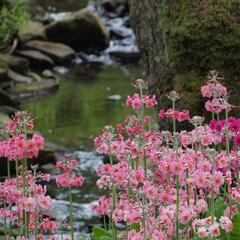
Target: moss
{"x": 198, "y": 36}
{"x": 202, "y": 34}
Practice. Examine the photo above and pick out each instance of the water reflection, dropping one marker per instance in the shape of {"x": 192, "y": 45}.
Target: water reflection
{"x": 81, "y": 107}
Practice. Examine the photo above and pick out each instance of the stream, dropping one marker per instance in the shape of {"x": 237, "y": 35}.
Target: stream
{"x": 92, "y": 94}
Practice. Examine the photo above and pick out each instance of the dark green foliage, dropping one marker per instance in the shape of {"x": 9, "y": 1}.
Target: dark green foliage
{"x": 12, "y": 14}
{"x": 202, "y": 34}
{"x": 198, "y": 36}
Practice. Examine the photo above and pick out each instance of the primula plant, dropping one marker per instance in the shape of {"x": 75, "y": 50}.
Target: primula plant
{"x": 25, "y": 204}
{"x": 171, "y": 184}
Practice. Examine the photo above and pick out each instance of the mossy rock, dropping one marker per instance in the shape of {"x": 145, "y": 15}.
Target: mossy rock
{"x": 31, "y": 30}
{"x": 18, "y": 64}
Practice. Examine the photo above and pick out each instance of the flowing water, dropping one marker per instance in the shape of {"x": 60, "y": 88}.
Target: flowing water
{"x": 92, "y": 94}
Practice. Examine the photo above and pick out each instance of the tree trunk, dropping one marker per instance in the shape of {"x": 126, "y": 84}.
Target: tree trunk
{"x": 181, "y": 40}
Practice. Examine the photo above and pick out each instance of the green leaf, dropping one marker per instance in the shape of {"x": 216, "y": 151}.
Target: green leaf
{"x": 235, "y": 234}
{"x": 101, "y": 234}
{"x": 106, "y": 238}
{"x": 220, "y": 205}
{"x": 135, "y": 226}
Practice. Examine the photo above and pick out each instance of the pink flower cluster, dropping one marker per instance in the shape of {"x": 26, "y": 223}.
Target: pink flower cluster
{"x": 25, "y": 198}
{"x": 231, "y": 124}
{"x": 18, "y": 147}
{"x": 170, "y": 113}
{"x": 170, "y": 184}
{"x": 216, "y": 93}
{"x": 67, "y": 178}
{"x": 12, "y": 193}
{"x": 136, "y": 102}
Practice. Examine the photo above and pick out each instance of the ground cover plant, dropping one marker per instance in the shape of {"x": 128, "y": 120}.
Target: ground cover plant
{"x": 158, "y": 184}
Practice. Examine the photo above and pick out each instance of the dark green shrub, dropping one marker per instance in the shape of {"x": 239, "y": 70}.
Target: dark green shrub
{"x": 12, "y": 14}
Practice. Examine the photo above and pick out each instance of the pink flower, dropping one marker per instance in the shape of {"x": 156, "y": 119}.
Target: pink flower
{"x": 217, "y": 179}
{"x": 226, "y": 224}
{"x": 151, "y": 102}
{"x": 44, "y": 202}
{"x": 66, "y": 180}
{"x": 132, "y": 217}
{"x": 28, "y": 204}
{"x": 48, "y": 225}
{"x": 214, "y": 230}
{"x": 133, "y": 235}
{"x": 206, "y": 140}
{"x": 158, "y": 234}
{"x": 185, "y": 215}
{"x": 102, "y": 207}
{"x": 176, "y": 168}
{"x": 202, "y": 232}
{"x": 236, "y": 140}
{"x": 139, "y": 175}
{"x": 22, "y": 238}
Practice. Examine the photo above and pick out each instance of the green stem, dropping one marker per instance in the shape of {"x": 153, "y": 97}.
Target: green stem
{"x": 144, "y": 216}
{"x": 212, "y": 206}
{"x": 8, "y": 168}
{"x": 143, "y": 132}
{"x": 24, "y": 173}
{"x": 177, "y": 210}
{"x": 5, "y": 221}
{"x": 104, "y": 221}
{"x": 174, "y": 120}
{"x": 35, "y": 213}
{"x": 9, "y": 175}
{"x": 111, "y": 223}
{"x": 71, "y": 212}
{"x": 188, "y": 201}
{"x": 17, "y": 175}
{"x": 177, "y": 177}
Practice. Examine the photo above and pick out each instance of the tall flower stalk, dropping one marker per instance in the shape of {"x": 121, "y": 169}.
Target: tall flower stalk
{"x": 68, "y": 179}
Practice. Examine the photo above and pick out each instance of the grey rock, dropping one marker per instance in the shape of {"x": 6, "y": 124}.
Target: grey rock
{"x": 18, "y": 64}
{"x": 49, "y": 74}
{"x": 32, "y": 30}
{"x": 36, "y": 58}
{"x": 18, "y": 78}
{"x": 81, "y": 30}
{"x": 58, "y": 51}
